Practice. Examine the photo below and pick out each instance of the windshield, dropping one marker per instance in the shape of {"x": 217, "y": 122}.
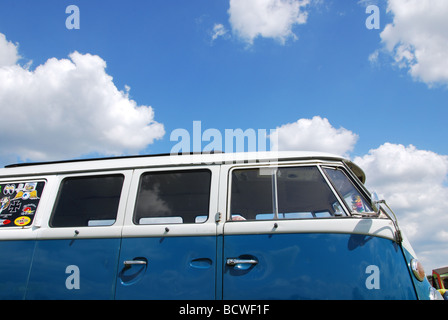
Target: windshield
{"x": 352, "y": 197}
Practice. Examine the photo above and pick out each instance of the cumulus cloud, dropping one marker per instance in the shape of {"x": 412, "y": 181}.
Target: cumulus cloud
{"x": 266, "y": 18}
{"x": 413, "y": 183}
{"x": 316, "y": 134}
{"x": 68, "y": 108}
{"x": 418, "y": 38}
{"x": 8, "y": 52}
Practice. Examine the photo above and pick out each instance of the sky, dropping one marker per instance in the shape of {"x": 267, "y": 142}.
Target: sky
{"x": 366, "y": 79}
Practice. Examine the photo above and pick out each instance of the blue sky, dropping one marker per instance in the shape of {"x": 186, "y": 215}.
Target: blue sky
{"x": 163, "y": 51}
{"x": 383, "y": 91}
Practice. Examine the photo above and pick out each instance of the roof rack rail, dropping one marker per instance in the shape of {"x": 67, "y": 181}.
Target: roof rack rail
{"x": 26, "y": 164}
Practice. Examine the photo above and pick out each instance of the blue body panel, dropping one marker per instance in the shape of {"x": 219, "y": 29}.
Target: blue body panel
{"x": 96, "y": 260}
{"x": 290, "y": 266}
{"x": 421, "y": 287}
{"x": 177, "y": 268}
{"x": 316, "y": 266}
{"x": 15, "y": 263}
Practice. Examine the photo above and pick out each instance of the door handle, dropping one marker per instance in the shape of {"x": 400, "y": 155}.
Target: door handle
{"x": 128, "y": 263}
{"x": 235, "y": 261}
{"x": 129, "y": 274}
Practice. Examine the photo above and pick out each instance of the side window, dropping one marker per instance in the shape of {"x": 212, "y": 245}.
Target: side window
{"x": 282, "y": 193}
{"x": 173, "y": 197}
{"x": 19, "y": 202}
{"x": 353, "y": 198}
{"x": 251, "y": 196}
{"x": 87, "y": 201}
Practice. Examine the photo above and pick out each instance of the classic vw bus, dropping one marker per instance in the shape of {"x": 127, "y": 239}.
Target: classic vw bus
{"x": 293, "y": 225}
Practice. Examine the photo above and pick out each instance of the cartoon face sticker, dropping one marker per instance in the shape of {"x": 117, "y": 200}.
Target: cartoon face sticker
{"x": 9, "y": 189}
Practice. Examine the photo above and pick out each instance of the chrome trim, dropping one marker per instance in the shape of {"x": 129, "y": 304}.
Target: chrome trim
{"x": 235, "y": 261}
{"x": 134, "y": 262}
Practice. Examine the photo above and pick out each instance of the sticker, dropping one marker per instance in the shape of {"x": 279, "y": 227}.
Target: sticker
{"x": 14, "y": 206}
{"x": 22, "y": 221}
{"x": 18, "y": 195}
{"x": 29, "y": 210}
{"x": 30, "y": 186}
{"x": 4, "y": 203}
{"x": 4, "y": 222}
{"x": 9, "y": 189}
{"x": 26, "y": 195}
{"x": 19, "y": 202}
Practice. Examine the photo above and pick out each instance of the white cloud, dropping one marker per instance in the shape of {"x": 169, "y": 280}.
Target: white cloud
{"x": 412, "y": 182}
{"x": 266, "y": 18}
{"x": 218, "y": 31}
{"x": 316, "y": 134}
{"x": 442, "y": 235}
{"x": 68, "y": 108}
{"x": 8, "y": 52}
{"x": 373, "y": 57}
{"x": 418, "y": 38}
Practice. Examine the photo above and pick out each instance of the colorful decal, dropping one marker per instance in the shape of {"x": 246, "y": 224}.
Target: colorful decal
{"x": 26, "y": 191}
{"x": 9, "y": 189}
{"x": 4, "y": 222}
{"x": 29, "y": 210}
{"x": 4, "y": 203}
{"x": 22, "y": 221}
{"x": 19, "y": 202}
{"x": 357, "y": 205}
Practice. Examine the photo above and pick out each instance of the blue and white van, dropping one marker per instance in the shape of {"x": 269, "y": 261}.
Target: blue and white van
{"x": 293, "y": 225}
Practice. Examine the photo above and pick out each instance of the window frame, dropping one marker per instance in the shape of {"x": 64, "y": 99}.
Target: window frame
{"x": 80, "y": 177}
{"x": 208, "y": 228}
{"x": 275, "y": 187}
{"x": 360, "y": 188}
{"x": 166, "y": 220}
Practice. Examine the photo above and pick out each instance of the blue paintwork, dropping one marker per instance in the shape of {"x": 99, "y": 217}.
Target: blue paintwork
{"x": 290, "y": 266}
{"x": 15, "y": 265}
{"x": 178, "y": 268}
{"x": 421, "y": 287}
{"x": 96, "y": 259}
{"x": 315, "y": 266}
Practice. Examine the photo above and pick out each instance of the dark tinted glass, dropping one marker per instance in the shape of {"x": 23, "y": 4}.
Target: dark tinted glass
{"x": 173, "y": 197}
{"x": 289, "y": 192}
{"x": 304, "y": 193}
{"x": 87, "y": 201}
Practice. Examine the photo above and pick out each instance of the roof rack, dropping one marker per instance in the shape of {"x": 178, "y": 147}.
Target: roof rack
{"x": 26, "y": 164}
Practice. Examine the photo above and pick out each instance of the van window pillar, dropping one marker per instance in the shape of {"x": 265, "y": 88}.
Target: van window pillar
{"x": 274, "y": 192}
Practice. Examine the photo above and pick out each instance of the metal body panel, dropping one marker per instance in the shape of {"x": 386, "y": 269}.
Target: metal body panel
{"x": 74, "y": 269}
{"x": 316, "y": 266}
{"x": 177, "y": 268}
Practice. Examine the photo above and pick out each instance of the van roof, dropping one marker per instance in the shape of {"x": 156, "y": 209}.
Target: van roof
{"x": 159, "y": 160}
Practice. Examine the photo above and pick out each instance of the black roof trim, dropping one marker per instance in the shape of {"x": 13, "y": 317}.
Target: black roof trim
{"x": 26, "y": 164}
